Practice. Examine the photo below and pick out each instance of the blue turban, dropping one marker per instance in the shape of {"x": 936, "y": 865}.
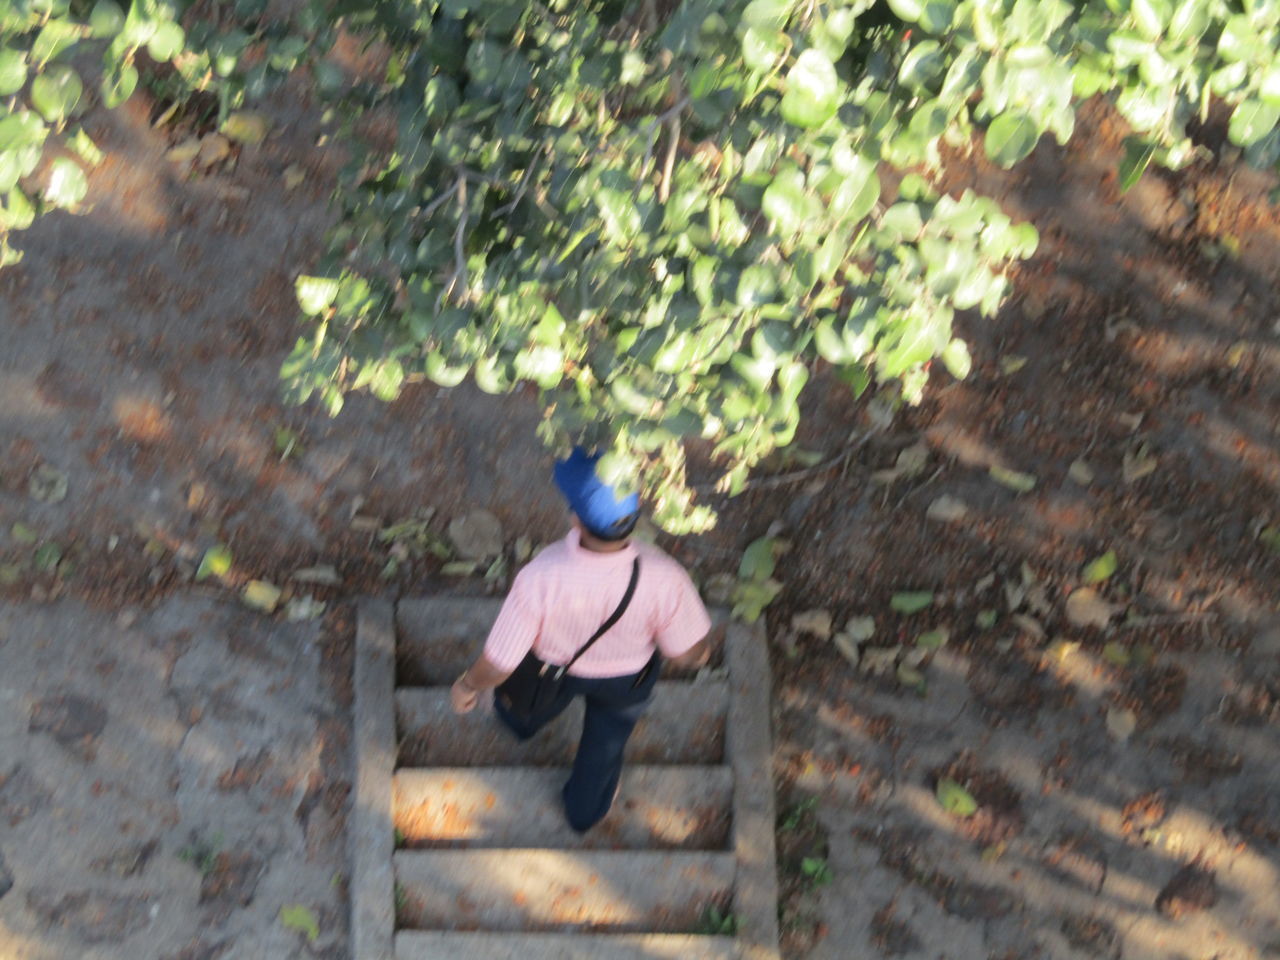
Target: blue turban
{"x": 594, "y": 502}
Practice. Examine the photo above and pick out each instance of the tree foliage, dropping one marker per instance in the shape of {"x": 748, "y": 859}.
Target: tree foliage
{"x": 664, "y": 213}
{"x": 60, "y": 57}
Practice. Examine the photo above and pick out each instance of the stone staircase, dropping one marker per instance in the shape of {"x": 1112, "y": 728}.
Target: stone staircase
{"x": 459, "y": 847}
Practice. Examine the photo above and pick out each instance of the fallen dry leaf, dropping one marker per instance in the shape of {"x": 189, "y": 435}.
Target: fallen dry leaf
{"x": 815, "y": 623}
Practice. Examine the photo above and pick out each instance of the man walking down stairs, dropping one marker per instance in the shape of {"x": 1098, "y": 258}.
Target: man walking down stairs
{"x": 643, "y": 607}
{"x": 516, "y": 831}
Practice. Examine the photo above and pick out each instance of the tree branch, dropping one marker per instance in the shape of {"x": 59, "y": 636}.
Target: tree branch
{"x": 435, "y": 204}
{"x": 459, "y": 236}
{"x": 669, "y": 164}
{"x": 506, "y": 208}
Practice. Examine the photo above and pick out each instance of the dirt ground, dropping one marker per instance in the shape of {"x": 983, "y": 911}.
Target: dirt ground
{"x": 143, "y": 345}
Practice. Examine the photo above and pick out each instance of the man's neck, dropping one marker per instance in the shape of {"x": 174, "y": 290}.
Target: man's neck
{"x": 596, "y": 545}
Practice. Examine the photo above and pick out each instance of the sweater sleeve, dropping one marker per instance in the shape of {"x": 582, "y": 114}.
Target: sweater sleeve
{"x": 684, "y": 620}
{"x": 517, "y": 627}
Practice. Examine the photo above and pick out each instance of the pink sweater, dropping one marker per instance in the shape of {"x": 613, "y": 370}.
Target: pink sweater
{"x": 565, "y": 593}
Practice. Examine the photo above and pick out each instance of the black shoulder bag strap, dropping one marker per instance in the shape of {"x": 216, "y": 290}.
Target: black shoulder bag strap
{"x": 559, "y": 672}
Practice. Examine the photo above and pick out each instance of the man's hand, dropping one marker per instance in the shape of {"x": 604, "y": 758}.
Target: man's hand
{"x": 697, "y": 656}
{"x": 463, "y": 696}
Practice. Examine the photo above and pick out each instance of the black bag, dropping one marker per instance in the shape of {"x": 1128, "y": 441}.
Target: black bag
{"x": 535, "y": 684}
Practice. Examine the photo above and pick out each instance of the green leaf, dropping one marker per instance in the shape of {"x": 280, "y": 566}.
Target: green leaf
{"x": 933, "y": 639}
{"x": 1013, "y": 479}
{"x": 955, "y": 799}
{"x": 911, "y": 601}
{"x": 387, "y": 380}
{"x": 762, "y": 48}
{"x": 1251, "y": 121}
{"x": 957, "y": 360}
{"x": 1269, "y": 538}
{"x": 922, "y": 65}
{"x": 18, "y": 130}
{"x": 768, "y": 13}
{"x": 300, "y": 918}
{"x": 215, "y": 563}
{"x": 118, "y": 85}
{"x": 261, "y": 596}
{"x": 908, "y": 10}
{"x": 166, "y": 43}
{"x": 1010, "y": 138}
{"x": 85, "y": 148}
{"x": 786, "y": 201}
{"x": 1099, "y": 569}
{"x": 756, "y": 286}
{"x": 937, "y": 15}
{"x": 1239, "y": 40}
{"x": 1269, "y": 87}
{"x": 440, "y": 372}
{"x": 13, "y": 71}
{"x": 56, "y": 92}
{"x": 911, "y": 678}
{"x": 758, "y": 561}
{"x": 929, "y": 120}
{"x": 1138, "y": 152}
{"x": 702, "y": 275}
{"x": 23, "y": 534}
{"x": 19, "y": 213}
{"x": 54, "y": 38}
{"x": 47, "y": 557}
{"x": 1117, "y": 654}
{"x": 67, "y": 184}
{"x": 812, "y": 92}
{"x": 1152, "y": 16}
{"x": 106, "y": 20}
{"x": 245, "y": 126}
{"x": 315, "y": 294}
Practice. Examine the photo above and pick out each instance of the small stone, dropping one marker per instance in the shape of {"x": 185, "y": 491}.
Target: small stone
{"x": 861, "y": 629}
{"x": 1080, "y": 472}
{"x": 848, "y": 648}
{"x": 74, "y": 722}
{"x": 947, "y": 509}
{"x": 1085, "y": 608}
{"x": 476, "y": 535}
{"x": 815, "y": 623}
{"x": 878, "y": 660}
{"x": 6, "y": 878}
{"x": 1028, "y": 625}
{"x": 1121, "y": 723}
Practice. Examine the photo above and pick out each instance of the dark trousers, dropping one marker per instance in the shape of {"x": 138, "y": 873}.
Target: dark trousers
{"x": 613, "y": 705}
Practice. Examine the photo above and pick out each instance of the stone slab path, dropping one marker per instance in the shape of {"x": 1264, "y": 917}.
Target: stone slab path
{"x": 170, "y": 781}
{"x": 458, "y": 844}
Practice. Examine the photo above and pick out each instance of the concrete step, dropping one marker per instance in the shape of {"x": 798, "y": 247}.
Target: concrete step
{"x": 685, "y": 724}
{"x": 657, "y": 808}
{"x": 436, "y": 945}
{"x": 439, "y": 637}
{"x": 590, "y": 891}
